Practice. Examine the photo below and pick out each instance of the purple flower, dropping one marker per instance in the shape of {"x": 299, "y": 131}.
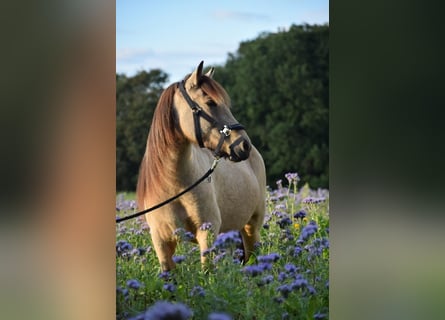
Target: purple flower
{"x": 122, "y": 246}
{"x": 282, "y": 276}
{"x": 238, "y": 254}
{"x": 165, "y": 275}
{"x": 144, "y": 226}
{"x": 284, "y": 289}
{"x": 164, "y": 310}
{"x": 273, "y": 257}
{"x": 297, "y": 251}
{"x": 219, "y": 257}
{"x": 279, "y": 214}
{"x": 266, "y": 279}
{"x": 290, "y": 268}
{"x": 280, "y": 184}
{"x": 300, "y": 214}
{"x": 325, "y": 243}
{"x": 299, "y": 283}
{"x": 265, "y": 266}
{"x": 286, "y": 221}
{"x": 287, "y": 235}
{"x": 253, "y": 270}
{"x": 183, "y": 234}
{"x": 133, "y": 284}
{"x": 188, "y": 236}
{"x": 313, "y": 200}
{"x": 178, "y": 259}
{"x": 123, "y": 291}
{"x": 123, "y": 204}
{"x": 134, "y": 252}
{"x": 311, "y": 290}
{"x": 197, "y": 291}
{"x": 308, "y": 230}
{"x": 319, "y": 315}
{"x": 228, "y": 239}
{"x": 169, "y": 287}
{"x": 138, "y": 317}
{"x": 292, "y": 177}
{"x": 219, "y": 316}
{"x": 206, "y": 226}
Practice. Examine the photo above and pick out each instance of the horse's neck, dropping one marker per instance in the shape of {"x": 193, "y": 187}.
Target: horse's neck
{"x": 191, "y": 164}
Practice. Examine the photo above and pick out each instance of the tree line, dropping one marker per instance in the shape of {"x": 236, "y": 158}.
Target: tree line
{"x": 279, "y": 87}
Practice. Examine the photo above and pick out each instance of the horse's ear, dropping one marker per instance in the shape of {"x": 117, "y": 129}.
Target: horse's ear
{"x": 193, "y": 80}
{"x": 210, "y": 72}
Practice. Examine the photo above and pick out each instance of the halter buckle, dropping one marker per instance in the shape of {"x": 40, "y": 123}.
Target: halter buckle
{"x": 215, "y": 162}
{"x": 196, "y": 108}
{"x": 225, "y": 131}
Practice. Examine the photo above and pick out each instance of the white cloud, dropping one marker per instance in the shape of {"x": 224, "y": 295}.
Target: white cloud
{"x": 131, "y": 53}
{"x": 238, "y": 15}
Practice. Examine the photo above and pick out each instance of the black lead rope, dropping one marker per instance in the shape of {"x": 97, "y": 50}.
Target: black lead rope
{"x": 205, "y": 176}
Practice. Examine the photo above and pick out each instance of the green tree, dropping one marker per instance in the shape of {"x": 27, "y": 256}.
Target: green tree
{"x": 136, "y": 99}
{"x": 279, "y": 84}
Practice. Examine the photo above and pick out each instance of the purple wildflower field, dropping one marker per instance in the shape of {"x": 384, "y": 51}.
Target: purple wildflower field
{"x": 286, "y": 278}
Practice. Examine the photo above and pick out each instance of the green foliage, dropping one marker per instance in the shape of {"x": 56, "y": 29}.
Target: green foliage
{"x": 228, "y": 286}
{"x": 278, "y": 84}
{"x": 136, "y": 99}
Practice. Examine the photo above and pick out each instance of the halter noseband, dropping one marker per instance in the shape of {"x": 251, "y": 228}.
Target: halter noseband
{"x": 225, "y": 130}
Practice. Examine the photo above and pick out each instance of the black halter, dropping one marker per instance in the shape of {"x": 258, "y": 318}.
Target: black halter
{"x": 225, "y": 130}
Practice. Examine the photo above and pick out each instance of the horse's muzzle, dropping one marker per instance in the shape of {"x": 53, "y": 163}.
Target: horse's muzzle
{"x": 240, "y": 150}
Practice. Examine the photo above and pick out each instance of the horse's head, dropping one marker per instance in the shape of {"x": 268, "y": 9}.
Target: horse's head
{"x": 203, "y": 110}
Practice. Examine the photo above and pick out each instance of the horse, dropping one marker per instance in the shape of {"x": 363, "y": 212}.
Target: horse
{"x": 191, "y": 126}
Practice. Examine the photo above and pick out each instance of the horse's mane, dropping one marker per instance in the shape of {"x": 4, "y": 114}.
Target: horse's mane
{"x": 214, "y": 90}
{"x": 164, "y": 139}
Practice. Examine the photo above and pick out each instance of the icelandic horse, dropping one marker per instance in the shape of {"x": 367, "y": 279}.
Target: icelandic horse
{"x": 192, "y": 125}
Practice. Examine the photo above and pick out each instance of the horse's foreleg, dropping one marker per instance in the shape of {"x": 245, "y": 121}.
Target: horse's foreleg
{"x": 164, "y": 251}
{"x": 250, "y": 235}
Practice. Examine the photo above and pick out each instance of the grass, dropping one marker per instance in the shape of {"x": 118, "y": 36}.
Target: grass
{"x": 287, "y": 277}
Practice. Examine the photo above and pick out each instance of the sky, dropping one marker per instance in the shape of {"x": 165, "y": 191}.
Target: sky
{"x": 175, "y": 36}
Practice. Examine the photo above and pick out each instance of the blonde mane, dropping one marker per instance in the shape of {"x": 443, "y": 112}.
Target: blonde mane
{"x": 163, "y": 139}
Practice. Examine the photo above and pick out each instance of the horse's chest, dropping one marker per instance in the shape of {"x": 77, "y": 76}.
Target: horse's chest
{"x": 237, "y": 202}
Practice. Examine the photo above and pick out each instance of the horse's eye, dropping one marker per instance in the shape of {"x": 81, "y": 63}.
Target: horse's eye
{"x": 211, "y": 103}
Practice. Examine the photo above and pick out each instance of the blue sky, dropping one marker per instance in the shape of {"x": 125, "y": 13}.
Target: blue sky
{"x": 176, "y": 35}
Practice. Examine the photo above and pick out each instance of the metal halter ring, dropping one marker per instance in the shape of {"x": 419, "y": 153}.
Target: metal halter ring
{"x": 225, "y": 131}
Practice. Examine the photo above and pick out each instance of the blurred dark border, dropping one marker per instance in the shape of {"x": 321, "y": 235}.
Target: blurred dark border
{"x": 57, "y": 122}
{"x": 58, "y": 160}
{"x": 386, "y": 156}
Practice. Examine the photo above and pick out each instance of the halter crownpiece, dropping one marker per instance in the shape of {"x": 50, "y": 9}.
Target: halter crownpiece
{"x": 198, "y": 112}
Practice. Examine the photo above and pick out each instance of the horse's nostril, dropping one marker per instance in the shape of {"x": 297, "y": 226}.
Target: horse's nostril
{"x": 246, "y": 146}
{"x": 240, "y": 150}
